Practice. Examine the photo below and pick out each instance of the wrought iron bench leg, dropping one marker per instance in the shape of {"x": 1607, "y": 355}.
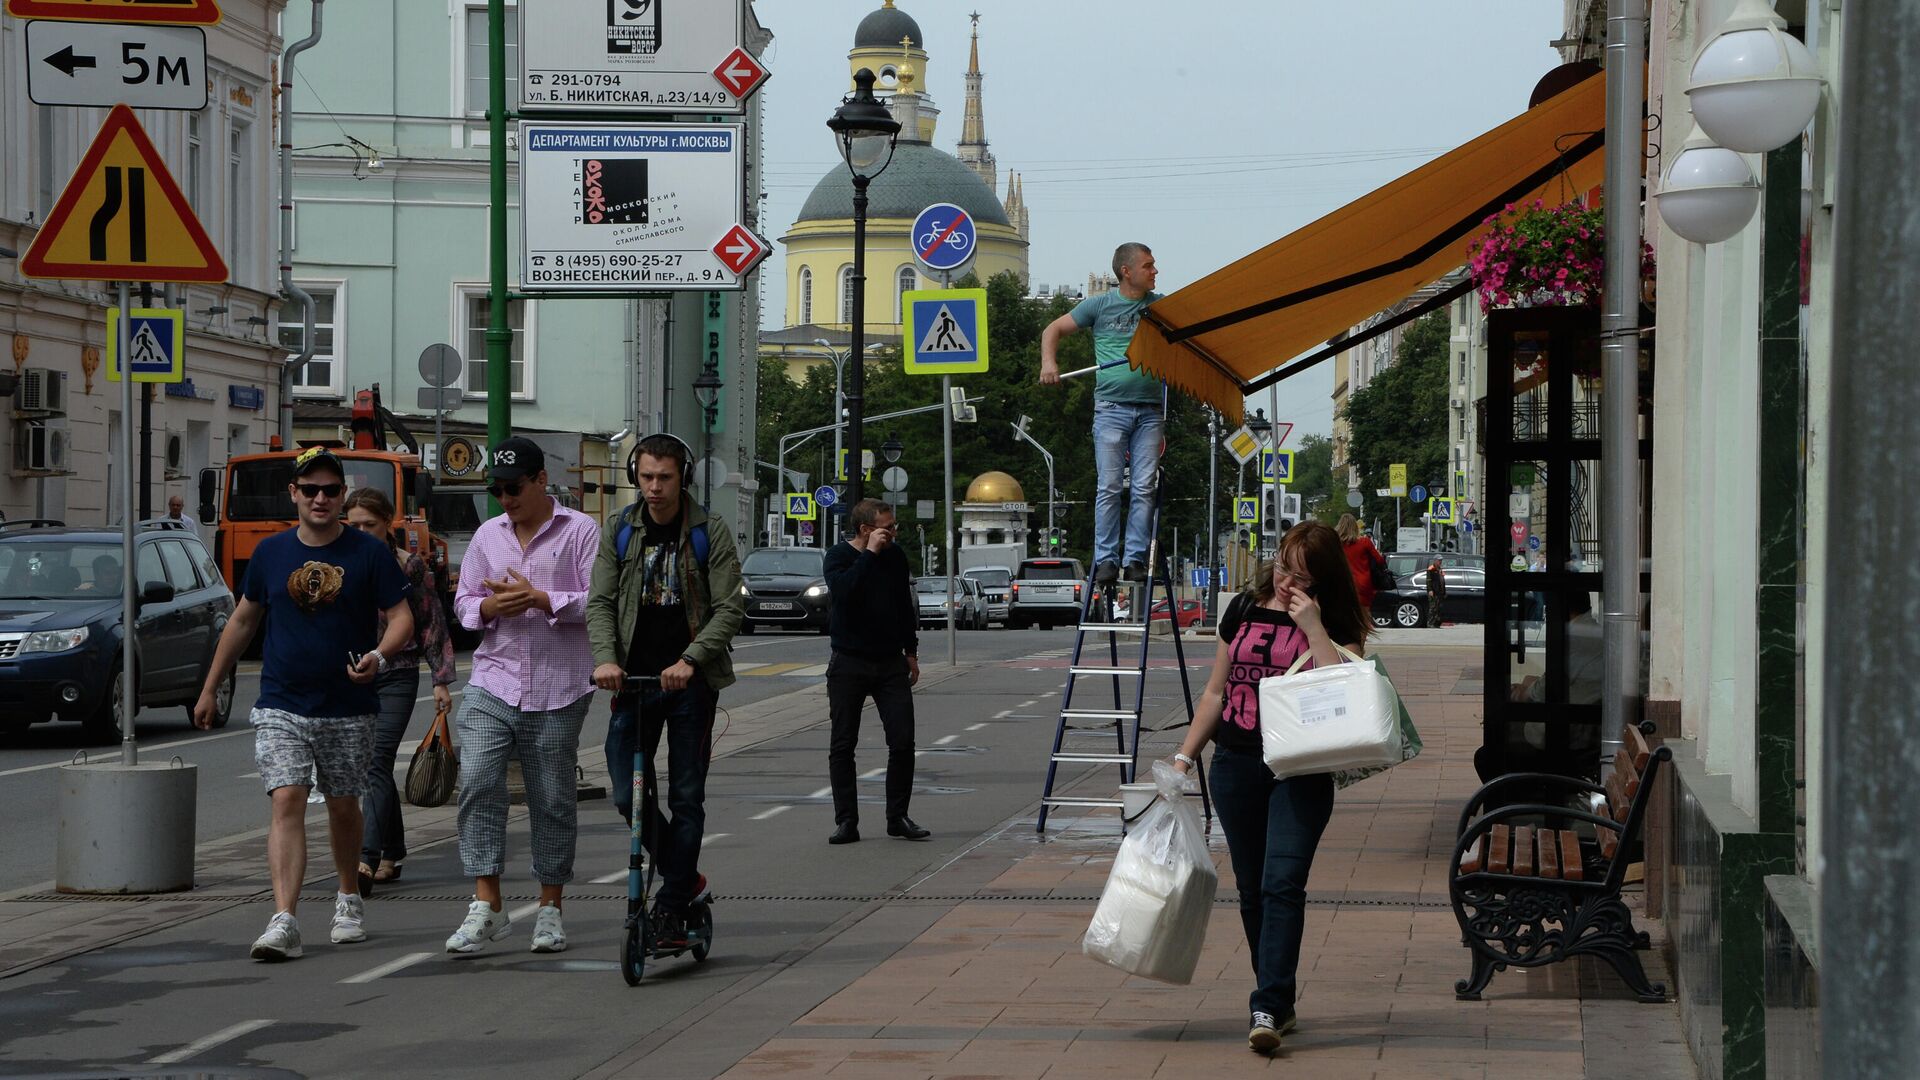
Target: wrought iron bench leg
{"x": 1468, "y": 989}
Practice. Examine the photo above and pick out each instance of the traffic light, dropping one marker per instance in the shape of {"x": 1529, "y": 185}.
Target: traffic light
{"x": 1269, "y": 511}
{"x": 1055, "y": 538}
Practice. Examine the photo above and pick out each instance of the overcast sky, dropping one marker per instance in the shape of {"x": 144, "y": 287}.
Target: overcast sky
{"x": 1205, "y": 130}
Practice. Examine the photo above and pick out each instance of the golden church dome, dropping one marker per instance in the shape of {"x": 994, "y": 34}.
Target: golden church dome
{"x": 995, "y": 487}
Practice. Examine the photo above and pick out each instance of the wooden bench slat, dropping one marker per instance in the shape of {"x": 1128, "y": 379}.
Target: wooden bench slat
{"x": 1623, "y": 764}
{"x": 1617, "y": 795}
{"x": 1498, "y": 860}
{"x": 1571, "y": 866}
{"x": 1637, "y": 743}
{"x": 1523, "y": 850}
{"x": 1474, "y": 859}
{"x": 1549, "y": 853}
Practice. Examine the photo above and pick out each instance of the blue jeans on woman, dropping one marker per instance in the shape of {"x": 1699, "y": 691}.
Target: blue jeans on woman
{"x": 384, "y": 835}
{"x": 1272, "y": 827}
{"x": 1122, "y": 431}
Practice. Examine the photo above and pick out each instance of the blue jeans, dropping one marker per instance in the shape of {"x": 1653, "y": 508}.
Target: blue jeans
{"x": 1122, "y": 430}
{"x": 1272, "y": 827}
{"x": 384, "y": 835}
{"x": 687, "y": 717}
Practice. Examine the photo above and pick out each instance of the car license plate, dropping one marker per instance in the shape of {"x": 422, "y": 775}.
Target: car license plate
{"x": 775, "y": 605}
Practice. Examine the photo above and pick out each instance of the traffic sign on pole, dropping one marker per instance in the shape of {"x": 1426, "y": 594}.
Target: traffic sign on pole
{"x": 95, "y": 64}
{"x": 800, "y": 506}
{"x": 1397, "y": 481}
{"x": 636, "y": 56}
{"x": 943, "y": 238}
{"x": 177, "y": 12}
{"x": 1417, "y": 494}
{"x": 156, "y": 344}
{"x": 122, "y": 218}
{"x": 1243, "y": 444}
{"x": 1246, "y": 510}
{"x": 825, "y": 496}
{"x": 946, "y": 330}
{"x": 634, "y": 206}
{"x": 1276, "y": 466}
{"x": 1441, "y": 511}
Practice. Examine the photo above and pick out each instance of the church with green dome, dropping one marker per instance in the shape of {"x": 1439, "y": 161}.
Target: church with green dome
{"x": 819, "y": 245}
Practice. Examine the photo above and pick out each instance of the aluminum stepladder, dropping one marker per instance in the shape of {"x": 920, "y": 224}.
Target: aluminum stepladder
{"x": 1122, "y": 722}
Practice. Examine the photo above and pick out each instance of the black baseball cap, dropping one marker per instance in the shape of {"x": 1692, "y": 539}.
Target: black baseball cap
{"x": 515, "y": 458}
{"x": 317, "y": 457}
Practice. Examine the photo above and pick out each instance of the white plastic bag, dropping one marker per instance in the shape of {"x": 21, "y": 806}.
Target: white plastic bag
{"x": 1152, "y": 918}
{"x": 1328, "y": 719}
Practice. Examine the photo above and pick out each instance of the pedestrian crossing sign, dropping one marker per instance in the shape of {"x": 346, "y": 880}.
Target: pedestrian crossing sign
{"x": 1246, "y": 510}
{"x": 156, "y": 339}
{"x": 800, "y": 506}
{"x": 1276, "y": 466}
{"x": 946, "y": 331}
{"x": 1440, "y": 510}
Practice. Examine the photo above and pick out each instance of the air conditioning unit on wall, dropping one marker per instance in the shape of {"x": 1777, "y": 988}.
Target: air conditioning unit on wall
{"x": 42, "y": 392}
{"x": 40, "y": 448}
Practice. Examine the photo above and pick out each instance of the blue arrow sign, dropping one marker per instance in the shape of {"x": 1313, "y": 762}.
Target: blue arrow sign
{"x": 1418, "y": 494}
{"x": 943, "y": 238}
{"x": 825, "y": 496}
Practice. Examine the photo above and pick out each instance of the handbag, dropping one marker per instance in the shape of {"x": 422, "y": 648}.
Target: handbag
{"x": 435, "y": 767}
{"x": 1329, "y": 719}
{"x": 1381, "y": 577}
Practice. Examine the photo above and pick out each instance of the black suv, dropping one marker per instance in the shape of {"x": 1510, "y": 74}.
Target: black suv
{"x": 60, "y": 630}
{"x": 785, "y": 587}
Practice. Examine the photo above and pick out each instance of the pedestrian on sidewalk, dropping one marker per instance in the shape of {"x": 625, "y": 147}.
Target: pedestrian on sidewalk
{"x": 1436, "y": 591}
{"x": 873, "y": 622}
{"x": 523, "y": 584}
{"x": 323, "y": 591}
{"x": 665, "y": 602}
{"x": 1128, "y": 412}
{"x": 1303, "y": 602}
{"x": 1362, "y": 557}
{"x": 384, "y": 846}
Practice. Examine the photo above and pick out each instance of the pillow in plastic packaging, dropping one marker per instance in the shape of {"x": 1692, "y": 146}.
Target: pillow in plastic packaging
{"x": 1152, "y": 916}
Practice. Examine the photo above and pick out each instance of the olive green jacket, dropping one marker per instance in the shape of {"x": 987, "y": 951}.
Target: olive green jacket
{"x": 715, "y": 607}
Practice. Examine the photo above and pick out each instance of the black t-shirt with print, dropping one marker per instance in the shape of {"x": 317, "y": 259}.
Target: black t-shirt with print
{"x": 660, "y": 632}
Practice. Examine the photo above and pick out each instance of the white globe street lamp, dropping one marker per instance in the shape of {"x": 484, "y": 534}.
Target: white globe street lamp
{"x": 1709, "y": 192}
{"x": 1754, "y": 86}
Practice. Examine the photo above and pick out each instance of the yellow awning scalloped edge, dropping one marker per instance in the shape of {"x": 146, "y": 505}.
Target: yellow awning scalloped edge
{"x": 1244, "y": 320}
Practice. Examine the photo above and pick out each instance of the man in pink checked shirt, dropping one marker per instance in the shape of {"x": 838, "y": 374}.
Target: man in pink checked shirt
{"x": 524, "y": 583}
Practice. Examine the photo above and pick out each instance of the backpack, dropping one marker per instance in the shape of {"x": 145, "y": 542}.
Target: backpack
{"x": 698, "y": 534}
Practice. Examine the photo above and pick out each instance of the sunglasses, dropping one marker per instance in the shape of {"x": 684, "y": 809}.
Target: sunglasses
{"x": 314, "y": 491}
{"x": 509, "y": 488}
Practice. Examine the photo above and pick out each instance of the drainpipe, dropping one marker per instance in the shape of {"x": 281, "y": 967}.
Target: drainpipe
{"x": 1620, "y": 373}
{"x": 287, "y": 288}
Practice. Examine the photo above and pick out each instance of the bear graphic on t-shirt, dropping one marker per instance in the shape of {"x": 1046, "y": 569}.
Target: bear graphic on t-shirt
{"x": 315, "y": 585}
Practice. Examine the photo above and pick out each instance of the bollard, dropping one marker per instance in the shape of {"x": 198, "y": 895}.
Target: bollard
{"x": 126, "y": 828}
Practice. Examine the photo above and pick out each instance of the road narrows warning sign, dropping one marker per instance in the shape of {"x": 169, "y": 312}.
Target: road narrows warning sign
{"x": 122, "y": 218}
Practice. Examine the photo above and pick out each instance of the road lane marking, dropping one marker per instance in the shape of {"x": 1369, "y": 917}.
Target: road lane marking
{"x": 387, "y": 968}
{"x": 871, "y": 773}
{"x": 711, "y": 837}
{"x": 608, "y": 879}
{"x": 975, "y": 727}
{"x": 944, "y": 740}
{"x": 144, "y": 749}
{"x": 776, "y": 669}
{"x": 765, "y": 814}
{"x": 822, "y": 793}
{"x": 1003, "y": 714}
{"x": 201, "y": 1046}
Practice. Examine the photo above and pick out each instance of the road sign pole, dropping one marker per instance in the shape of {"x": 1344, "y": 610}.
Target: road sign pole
{"x": 499, "y": 338}
{"x": 953, "y": 532}
{"x": 129, "y": 691}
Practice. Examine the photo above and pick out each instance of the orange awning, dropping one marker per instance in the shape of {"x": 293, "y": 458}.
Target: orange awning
{"x": 1215, "y": 337}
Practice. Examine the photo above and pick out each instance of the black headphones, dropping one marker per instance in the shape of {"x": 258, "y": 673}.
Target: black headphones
{"x": 684, "y": 455}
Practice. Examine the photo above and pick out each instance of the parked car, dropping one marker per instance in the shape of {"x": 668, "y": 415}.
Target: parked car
{"x": 61, "y": 634}
{"x": 970, "y": 604}
{"x": 784, "y": 587}
{"x": 1189, "y": 614}
{"x": 1046, "y": 592}
{"x": 996, "y": 582}
{"x": 1405, "y": 605}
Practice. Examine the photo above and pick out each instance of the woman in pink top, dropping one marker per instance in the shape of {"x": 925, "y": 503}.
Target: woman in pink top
{"x": 1303, "y": 602}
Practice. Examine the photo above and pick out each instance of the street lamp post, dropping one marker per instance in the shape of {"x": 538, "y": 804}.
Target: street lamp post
{"x": 706, "y": 390}
{"x": 1261, "y": 429}
{"x": 1020, "y": 431}
{"x": 839, "y": 359}
{"x": 867, "y": 132}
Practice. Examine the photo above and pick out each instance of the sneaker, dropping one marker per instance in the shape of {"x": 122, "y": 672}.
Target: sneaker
{"x": 1106, "y": 573}
{"x": 482, "y": 924}
{"x": 280, "y": 942}
{"x": 548, "y": 934}
{"x": 1264, "y": 1038}
{"x": 700, "y": 893}
{"x": 670, "y": 930}
{"x": 348, "y": 913}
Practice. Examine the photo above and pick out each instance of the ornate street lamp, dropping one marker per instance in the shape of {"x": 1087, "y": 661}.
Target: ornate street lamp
{"x": 706, "y": 390}
{"x": 892, "y": 448}
{"x": 867, "y": 133}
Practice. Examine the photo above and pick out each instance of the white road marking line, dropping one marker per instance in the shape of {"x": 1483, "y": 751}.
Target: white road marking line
{"x": 976, "y": 727}
{"x": 145, "y": 749}
{"x": 765, "y": 814}
{"x": 608, "y": 879}
{"x": 871, "y": 773}
{"x": 387, "y": 968}
{"x": 822, "y": 793}
{"x": 1025, "y": 703}
{"x": 248, "y": 776}
{"x": 1003, "y": 714}
{"x": 711, "y": 837}
{"x": 201, "y": 1046}
{"x": 944, "y": 740}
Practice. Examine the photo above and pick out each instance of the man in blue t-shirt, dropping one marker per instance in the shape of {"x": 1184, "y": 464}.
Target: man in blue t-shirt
{"x": 1128, "y": 411}
{"x": 320, "y": 588}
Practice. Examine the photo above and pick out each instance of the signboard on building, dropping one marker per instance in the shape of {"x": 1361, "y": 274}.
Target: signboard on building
{"x": 648, "y": 207}
{"x": 636, "y": 56}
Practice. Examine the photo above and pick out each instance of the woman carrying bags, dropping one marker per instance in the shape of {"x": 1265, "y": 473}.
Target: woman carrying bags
{"x": 1303, "y": 603}
{"x": 384, "y": 843}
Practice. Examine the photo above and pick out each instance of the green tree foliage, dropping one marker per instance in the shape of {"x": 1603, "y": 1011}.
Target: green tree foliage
{"x": 1400, "y": 417}
{"x": 1062, "y": 421}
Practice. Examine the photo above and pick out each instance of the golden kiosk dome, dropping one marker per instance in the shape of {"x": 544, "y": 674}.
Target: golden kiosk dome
{"x": 995, "y": 487}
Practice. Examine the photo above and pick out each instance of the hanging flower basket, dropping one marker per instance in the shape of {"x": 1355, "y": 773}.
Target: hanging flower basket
{"x": 1544, "y": 256}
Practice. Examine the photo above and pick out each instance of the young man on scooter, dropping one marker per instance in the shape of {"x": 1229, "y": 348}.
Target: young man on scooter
{"x": 665, "y": 601}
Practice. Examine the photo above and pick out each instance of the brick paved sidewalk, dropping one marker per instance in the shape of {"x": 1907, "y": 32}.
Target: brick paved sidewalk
{"x": 998, "y": 988}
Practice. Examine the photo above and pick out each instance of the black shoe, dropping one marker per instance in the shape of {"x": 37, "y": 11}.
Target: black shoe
{"x": 1136, "y": 571}
{"x": 1264, "y": 1035}
{"x": 905, "y": 829}
{"x": 670, "y": 929}
{"x": 847, "y": 833}
{"x": 1106, "y": 573}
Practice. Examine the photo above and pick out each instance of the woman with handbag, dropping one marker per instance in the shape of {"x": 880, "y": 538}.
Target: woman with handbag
{"x": 383, "y": 844}
{"x": 1370, "y": 574}
{"x": 1304, "y": 602}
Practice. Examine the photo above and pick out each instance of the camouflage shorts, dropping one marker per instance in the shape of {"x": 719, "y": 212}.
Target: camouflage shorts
{"x": 329, "y": 753}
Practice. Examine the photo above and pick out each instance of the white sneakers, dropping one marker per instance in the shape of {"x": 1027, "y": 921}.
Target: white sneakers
{"x": 349, "y": 912}
{"x": 280, "y": 942}
{"x": 482, "y": 924}
{"x": 548, "y": 934}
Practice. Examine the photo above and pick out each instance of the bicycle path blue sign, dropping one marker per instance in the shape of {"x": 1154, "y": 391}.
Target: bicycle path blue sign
{"x": 943, "y": 238}
{"x": 825, "y": 496}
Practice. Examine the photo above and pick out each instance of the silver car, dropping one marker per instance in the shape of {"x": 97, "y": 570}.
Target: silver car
{"x": 970, "y": 605}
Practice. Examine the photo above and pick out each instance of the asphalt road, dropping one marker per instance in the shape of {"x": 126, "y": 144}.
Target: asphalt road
{"x": 398, "y": 1004}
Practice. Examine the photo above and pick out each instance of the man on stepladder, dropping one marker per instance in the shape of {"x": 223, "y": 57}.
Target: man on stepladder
{"x": 1128, "y": 417}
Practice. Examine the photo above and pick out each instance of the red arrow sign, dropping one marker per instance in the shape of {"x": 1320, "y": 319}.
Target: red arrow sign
{"x": 739, "y": 250}
{"x": 740, "y": 73}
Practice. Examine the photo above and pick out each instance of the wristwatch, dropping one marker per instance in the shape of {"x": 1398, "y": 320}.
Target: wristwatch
{"x": 1182, "y": 757}
{"x": 380, "y": 659}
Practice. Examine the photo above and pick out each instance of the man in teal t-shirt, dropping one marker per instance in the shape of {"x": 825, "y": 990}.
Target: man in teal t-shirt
{"x": 1128, "y": 415}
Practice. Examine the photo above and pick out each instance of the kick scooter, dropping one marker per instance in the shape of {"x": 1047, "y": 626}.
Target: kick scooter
{"x": 641, "y": 942}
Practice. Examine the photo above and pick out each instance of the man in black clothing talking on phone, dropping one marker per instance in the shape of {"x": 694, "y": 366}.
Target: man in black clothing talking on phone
{"x": 873, "y": 624}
